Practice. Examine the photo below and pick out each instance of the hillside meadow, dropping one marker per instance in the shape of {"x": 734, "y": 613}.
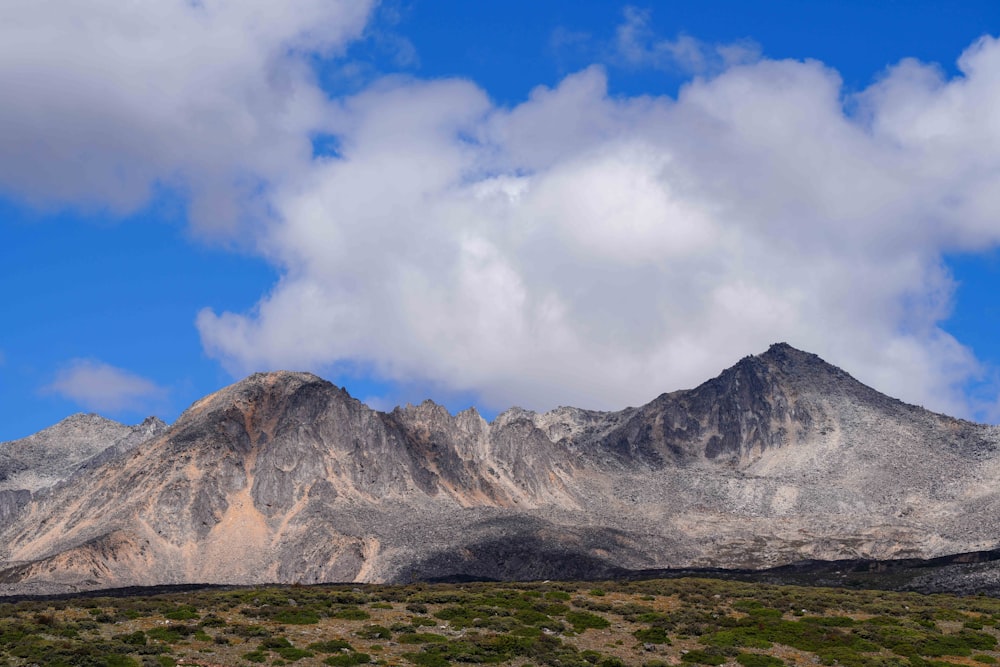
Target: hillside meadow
{"x": 650, "y": 623}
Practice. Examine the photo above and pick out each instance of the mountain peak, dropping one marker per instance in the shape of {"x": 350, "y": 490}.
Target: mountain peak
{"x": 90, "y": 418}
{"x": 783, "y": 354}
{"x": 279, "y": 378}
{"x": 264, "y": 386}
{"x": 787, "y": 364}
{"x": 54, "y": 453}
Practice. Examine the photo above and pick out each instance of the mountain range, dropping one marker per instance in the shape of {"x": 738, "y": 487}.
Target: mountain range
{"x": 284, "y": 477}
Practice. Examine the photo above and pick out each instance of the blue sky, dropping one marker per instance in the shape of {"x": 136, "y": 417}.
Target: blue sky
{"x": 581, "y": 203}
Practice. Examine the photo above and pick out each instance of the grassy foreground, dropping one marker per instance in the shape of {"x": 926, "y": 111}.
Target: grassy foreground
{"x": 559, "y": 624}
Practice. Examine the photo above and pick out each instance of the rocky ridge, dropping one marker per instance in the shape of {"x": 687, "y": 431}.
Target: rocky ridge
{"x": 284, "y": 477}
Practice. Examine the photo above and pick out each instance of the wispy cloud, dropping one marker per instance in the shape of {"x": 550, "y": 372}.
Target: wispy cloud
{"x": 95, "y": 385}
{"x": 563, "y": 39}
{"x": 636, "y": 44}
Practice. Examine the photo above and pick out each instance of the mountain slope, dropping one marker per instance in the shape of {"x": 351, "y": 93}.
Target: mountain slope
{"x": 53, "y": 455}
{"x": 284, "y": 477}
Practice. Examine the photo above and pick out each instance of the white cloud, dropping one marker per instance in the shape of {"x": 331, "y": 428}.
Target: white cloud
{"x": 588, "y": 249}
{"x": 105, "y": 101}
{"x": 98, "y": 386}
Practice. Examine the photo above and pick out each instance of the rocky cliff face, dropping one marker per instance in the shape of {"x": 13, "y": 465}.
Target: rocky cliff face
{"x": 284, "y": 477}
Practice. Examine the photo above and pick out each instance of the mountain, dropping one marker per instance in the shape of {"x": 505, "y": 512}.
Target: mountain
{"x": 284, "y": 477}
{"x": 53, "y": 455}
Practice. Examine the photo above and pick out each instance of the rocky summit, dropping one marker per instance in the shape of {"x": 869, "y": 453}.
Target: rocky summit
{"x": 284, "y": 477}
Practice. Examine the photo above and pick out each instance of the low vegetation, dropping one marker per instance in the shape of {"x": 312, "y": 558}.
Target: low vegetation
{"x": 644, "y": 623}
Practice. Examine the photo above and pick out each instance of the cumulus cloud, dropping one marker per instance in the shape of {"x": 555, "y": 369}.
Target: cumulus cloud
{"x": 590, "y": 249}
{"x": 104, "y": 102}
{"x": 579, "y": 247}
{"x": 98, "y": 386}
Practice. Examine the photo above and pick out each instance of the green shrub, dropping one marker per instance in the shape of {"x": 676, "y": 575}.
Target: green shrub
{"x": 292, "y": 653}
{"x": 347, "y": 659}
{"x": 831, "y": 621}
{"x": 427, "y": 659}
{"x": 249, "y": 631}
{"x": 418, "y": 621}
{"x": 652, "y": 635}
{"x": 117, "y": 660}
{"x": 758, "y": 660}
{"x": 593, "y": 605}
{"x": 274, "y": 643}
{"x": 847, "y": 657}
{"x": 353, "y": 614}
{"x": 978, "y": 640}
{"x": 137, "y": 638}
{"x": 656, "y": 618}
{"x": 582, "y": 620}
{"x": 329, "y": 646}
{"x": 531, "y": 617}
{"x": 420, "y": 638}
{"x": 374, "y": 632}
{"x": 702, "y": 658}
{"x": 182, "y": 613}
{"x": 294, "y": 616}
{"x": 458, "y": 616}
{"x": 742, "y": 637}
{"x": 526, "y": 631}
{"x": 944, "y": 645}
{"x": 631, "y": 610}
{"x": 212, "y": 621}
{"x": 169, "y": 634}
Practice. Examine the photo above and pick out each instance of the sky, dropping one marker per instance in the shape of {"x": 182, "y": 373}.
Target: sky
{"x": 493, "y": 204}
